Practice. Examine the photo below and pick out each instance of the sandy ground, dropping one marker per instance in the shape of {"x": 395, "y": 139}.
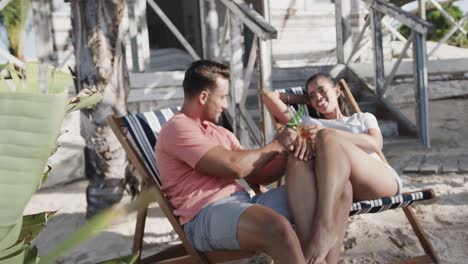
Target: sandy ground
{"x": 376, "y": 238}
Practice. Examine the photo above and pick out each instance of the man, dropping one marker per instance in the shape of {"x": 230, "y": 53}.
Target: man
{"x": 199, "y": 163}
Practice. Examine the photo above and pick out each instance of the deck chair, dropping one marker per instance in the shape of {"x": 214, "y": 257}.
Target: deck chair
{"x": 138, "y": 134}
{"x": 403, "y": 201}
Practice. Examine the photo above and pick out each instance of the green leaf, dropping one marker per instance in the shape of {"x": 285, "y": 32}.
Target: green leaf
{"x": 9, "y": 234}
{"x": 45, "y": 175}
{"x": 28, "y": 132}
{"x": 31, "y": 256}
{"x": 89, "y": 230}
{"x": 130, "y": 259}
{"x": 98, "y": 223}
{"x": 85, "y": 99}
{"x": 15, "y": 258}
{"x": 15, "y": 77}
{"x": 13, "y": 254}
{"x": 4, "y": 87}
{"x": 29, "y": 127}
{"x": 32, "y": 77}
{"x": 39, "y": 218}
{"x": 33, "y": 225}
{"x": 60, "y": 81}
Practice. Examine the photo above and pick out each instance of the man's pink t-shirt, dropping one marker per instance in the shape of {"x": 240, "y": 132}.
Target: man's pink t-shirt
{"x": 181, "y": 143}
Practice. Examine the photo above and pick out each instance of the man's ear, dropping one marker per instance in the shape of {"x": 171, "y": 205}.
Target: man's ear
{"x": 203, "y": 97}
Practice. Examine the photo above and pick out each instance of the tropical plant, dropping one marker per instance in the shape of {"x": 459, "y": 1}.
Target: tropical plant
{"x": 97, "y": 223}
{"x": 442, "y": 26}
{"x": 14, "y": 17}
{"x": 31, "y": 117}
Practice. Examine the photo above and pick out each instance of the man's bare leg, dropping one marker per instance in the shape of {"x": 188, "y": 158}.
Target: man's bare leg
{"x": 302, "y": 197}
{"x": 262, "y": 229}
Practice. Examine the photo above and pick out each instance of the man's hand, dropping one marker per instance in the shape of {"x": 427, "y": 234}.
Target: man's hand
{"x": 286, "y": 138}
{"x": 310, "y": 132}
{"x": 297, "y": 145}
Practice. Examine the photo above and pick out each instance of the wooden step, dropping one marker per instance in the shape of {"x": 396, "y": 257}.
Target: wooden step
{"x": 437, "y": 163}
{"x": 368, "y": 106}
{"x": 388, "y": 128}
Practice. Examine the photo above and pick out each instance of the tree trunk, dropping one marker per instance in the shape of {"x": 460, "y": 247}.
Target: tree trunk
{"x": 100, "y": 62}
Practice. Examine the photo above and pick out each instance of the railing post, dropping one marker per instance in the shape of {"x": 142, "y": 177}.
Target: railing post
{"x": 212, "y": 32}
{"x": 344, "y": 43}
{"x": 420, "y": 75}
{"x": 237, "y": 68}
{"x": 379, "y": 76}
{"x": 265, "y": 77}
{"x": 203, "y": 26}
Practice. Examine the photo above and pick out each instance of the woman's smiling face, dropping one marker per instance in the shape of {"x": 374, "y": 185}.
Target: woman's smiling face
{"x": 323, "y": 96}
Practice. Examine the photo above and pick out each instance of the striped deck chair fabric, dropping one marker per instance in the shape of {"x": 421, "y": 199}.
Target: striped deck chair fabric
{"x": 386, "y": 203}
{"x": 145, "y": 128}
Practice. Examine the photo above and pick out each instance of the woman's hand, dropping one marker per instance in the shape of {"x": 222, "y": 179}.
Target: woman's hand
{"x": 302, "y": 149}
{"x": 309, "y": 132}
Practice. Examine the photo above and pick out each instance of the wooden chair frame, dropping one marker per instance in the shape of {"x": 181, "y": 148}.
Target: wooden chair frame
{"x": 183, "y": 253}
{"x": 430, "y": 255}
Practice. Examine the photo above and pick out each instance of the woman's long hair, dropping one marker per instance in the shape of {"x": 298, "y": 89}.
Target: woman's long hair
{"x": 341, "y": 98}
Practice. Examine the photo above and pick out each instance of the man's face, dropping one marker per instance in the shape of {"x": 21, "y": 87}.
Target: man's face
{"x": 216, "y": 100}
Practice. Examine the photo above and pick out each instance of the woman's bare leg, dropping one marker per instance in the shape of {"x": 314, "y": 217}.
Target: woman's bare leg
{"x": 302, "y": 198}
{"x": 341, "y": 218}
{"x": 339, "y": 161}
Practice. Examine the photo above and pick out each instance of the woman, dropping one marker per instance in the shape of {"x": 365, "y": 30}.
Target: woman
{"x": 345, "y": 154}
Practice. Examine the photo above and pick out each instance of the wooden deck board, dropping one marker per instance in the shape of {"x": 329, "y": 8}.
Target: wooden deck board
{"x": 414, "y": 164}
{"x": 463, "y": 164}
{"x": 431, "y": 164}
{"x": 450, "y": 164}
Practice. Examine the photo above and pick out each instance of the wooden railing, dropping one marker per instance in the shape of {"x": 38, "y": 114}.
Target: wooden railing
{"x": 346, "y": 53}
{"x": 239, "y": 16}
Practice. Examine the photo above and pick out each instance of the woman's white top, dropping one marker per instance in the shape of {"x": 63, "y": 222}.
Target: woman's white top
{"x": 358, "y": 123}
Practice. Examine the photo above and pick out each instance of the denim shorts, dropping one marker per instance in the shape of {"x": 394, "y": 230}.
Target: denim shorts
{"x": 215, "y": 226}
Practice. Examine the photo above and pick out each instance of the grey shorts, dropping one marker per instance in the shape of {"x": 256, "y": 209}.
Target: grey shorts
{"x": 215, "y": 226}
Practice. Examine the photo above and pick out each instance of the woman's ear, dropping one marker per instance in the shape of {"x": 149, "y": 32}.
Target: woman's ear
{"x": 337, "y": 90}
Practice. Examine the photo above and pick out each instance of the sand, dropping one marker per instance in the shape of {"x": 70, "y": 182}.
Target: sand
{"x": 371, "y": 238}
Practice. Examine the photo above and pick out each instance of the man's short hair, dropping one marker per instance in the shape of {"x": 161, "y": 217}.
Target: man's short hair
{"x": 202, "y": 75}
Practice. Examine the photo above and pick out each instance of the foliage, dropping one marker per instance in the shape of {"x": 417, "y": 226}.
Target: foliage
{"x": 442, "y": 26}
{"x": 31, "y": 121}
{"x": 14, "y": 17}
{"x": 102, "y": 220}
